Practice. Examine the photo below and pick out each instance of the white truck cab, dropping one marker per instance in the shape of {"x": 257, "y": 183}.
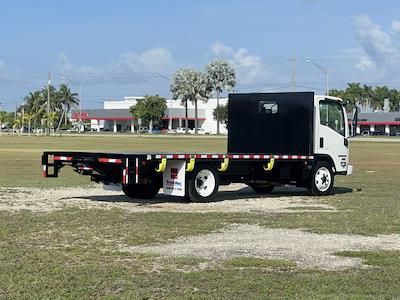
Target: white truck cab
{"x": 332, "y": 132}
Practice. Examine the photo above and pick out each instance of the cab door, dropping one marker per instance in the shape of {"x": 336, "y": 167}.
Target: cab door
{"x": 332, "y": 132}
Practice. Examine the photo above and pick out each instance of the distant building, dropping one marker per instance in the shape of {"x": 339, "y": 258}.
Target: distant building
{"x": 116, "y": 117}
{"x": 387, "y": 122}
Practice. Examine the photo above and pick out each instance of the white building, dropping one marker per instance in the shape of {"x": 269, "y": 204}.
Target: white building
{"x": 116, "y": 117}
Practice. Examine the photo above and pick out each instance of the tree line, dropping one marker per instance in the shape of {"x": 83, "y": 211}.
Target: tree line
{"x": 367, "y": 96}
{"x": 38, "y": 112}
{"x": 187, "y": 85}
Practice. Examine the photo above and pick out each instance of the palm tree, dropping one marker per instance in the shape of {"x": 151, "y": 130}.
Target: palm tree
{"x": 353, "y": 93}
{"x": 190, "y": 85}
{"x": 379, "y": 94}
{"x": 3, "y": 118}
{"x": 28, "y": 117}
{"x": 67, "y": 99}
{"x": 17, "y": 124}
{"x": 35, "y": 104}
{"x": 367, "y": 95}
{"x": 394, "y": 96}
{"x": 51, "y": 118}
{"x": 221, "y": 77}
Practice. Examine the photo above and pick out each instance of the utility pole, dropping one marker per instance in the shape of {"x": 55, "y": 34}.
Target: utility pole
{"x": 293, "y": 67}
{"x": 80, "y": 108}
{"x": 48, "y": 102}
{"x": 1, "y": 124}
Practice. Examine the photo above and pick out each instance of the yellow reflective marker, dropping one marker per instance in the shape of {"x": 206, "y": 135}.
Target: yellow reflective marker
{"x": 162, "y": 165}
{"x": 270, "y": 165}
{"x": 190, "y": 165}
{"x": 224, "y": 165}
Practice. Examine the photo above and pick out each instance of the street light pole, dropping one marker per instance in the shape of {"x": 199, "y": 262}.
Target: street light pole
{"x": 1, "y": 112}
{"x": 80, "y": 108}
{"x": 307, "y": 61}
{"x": 48, "y": 102}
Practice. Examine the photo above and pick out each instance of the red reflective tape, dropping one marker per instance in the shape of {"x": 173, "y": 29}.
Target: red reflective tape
{"x": 137, "y": 170}
{"x": 84, "y": 168}
{"x": 63, "y": 158}
{"x": 110, "y": 160}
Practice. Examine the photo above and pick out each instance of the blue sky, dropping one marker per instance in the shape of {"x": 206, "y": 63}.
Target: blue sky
{"x": 112, "y": 47}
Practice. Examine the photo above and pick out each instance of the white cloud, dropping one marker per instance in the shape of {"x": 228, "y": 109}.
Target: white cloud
{"x": 158, "y": 59}
{"x": 379, "y": 47}
{"x": 127, "y": 67}
{"x": 220, "y": 49}
{"x": 396, "y": 26}
{"x": 67, "y": 67}
{"x": 365, "y": 63}
{"x": 249, "y": 67}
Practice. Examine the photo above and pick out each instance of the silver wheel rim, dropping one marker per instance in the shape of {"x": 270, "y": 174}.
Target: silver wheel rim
{"x": 323, "y": 179}
{"x": 205, "y": 183}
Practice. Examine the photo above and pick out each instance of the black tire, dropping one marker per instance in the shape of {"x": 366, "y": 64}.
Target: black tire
{"x": 322, "y": 179}
{"x": 198, "y": 189}
{"x": 141, "y": 191}
{"x": 262, "y": 188}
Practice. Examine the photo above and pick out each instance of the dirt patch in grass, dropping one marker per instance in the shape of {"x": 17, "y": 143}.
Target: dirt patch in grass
{"x": 233, "y": 198}
{"x": 307, "y": 250}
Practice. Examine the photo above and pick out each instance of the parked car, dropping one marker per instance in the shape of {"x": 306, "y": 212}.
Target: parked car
{"x": 365, "y": 133}
{"x": 378, "y": 133}
{"x": 144, "y": 129}
{"x": 73, "y": 130}
{"x": 155, "y": 131}
{"x": 199, "y": 131}
{"x": 172, "y": 131}
{"x": 181, "y": 130}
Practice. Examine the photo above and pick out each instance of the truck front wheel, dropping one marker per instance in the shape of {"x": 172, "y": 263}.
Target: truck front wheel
{"x": 203, "y": 184}
{"x": 322, "y": 178}
{"x": 141, "y": 191}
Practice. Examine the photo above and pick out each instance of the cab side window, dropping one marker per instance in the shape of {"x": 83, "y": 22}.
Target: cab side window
{"x": 331, "y": 115}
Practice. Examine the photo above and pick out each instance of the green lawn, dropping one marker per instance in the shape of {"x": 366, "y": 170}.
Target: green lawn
{"x": 21, "y": 155}
{"x": 68, "y": 253}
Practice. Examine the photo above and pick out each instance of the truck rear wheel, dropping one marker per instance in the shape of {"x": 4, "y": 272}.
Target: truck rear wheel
{"x": 322, "y": 178}
{"x": 262, "y": 188}
{"x": 203, "y": 184}
{"x": 141, "y": 191}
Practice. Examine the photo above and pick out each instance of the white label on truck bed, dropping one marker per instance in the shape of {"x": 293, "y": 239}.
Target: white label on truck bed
{"x": 174, "y": 178}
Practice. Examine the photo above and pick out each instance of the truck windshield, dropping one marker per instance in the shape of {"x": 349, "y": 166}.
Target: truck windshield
{"x": 331, "y": 115}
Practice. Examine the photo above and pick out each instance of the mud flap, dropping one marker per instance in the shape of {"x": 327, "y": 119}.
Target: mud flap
{"x": 174, "y": 178}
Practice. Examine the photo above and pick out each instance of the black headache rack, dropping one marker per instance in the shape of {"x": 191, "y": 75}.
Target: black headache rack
{"x": 281, "y": 123}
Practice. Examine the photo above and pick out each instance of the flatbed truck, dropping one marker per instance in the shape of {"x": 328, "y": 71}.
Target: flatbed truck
{"x": 274, "y": 139}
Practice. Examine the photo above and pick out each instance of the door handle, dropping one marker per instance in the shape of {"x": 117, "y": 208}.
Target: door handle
{"x": 346, "y": 142}
{"x": 321, "y": 142}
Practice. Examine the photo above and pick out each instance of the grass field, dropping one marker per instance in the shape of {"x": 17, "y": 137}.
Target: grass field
{"x": 69, "y": 253}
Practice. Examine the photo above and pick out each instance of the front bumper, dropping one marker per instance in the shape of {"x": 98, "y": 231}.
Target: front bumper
{"x": 349, "y": 170}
